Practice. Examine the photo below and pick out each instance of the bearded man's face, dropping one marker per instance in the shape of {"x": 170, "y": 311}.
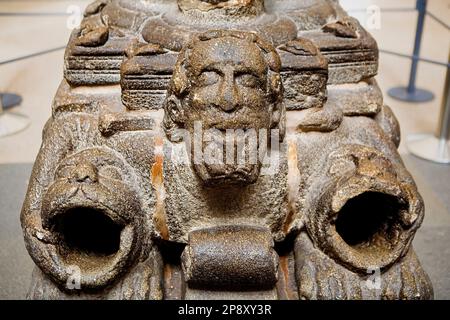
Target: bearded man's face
{"x": 228, "y": 100}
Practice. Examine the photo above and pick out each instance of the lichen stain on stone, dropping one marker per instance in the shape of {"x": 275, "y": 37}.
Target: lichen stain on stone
{"x": 159, "y": 216}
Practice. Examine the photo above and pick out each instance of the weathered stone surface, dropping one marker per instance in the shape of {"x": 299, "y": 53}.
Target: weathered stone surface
{"x": 213, "y": 259}
{"x": 321, "y": 278}
{"x": 142, "y": 282}
{"x": 238, "y": 149}
{"x": 172, "y": 23}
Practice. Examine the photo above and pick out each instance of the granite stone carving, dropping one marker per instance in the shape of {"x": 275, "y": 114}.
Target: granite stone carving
{"x": 240, "y": 149}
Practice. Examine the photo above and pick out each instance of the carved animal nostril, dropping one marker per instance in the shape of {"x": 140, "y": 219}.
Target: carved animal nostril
{"x": 368, "y": 219}
{"x": 87, "y": 174}
{"x": 83, "y": 178}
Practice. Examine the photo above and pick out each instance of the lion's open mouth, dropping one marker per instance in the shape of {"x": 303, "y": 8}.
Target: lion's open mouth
{"x": 370, "y": 220}
{"x": 88, "y": 231}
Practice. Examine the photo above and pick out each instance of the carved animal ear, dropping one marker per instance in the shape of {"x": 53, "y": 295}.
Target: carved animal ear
{"x": 275, "y": 95}
{"x": 273, "y": 60}
{"x": 173, "y": 117}
{"x": 173, "y": 109}
{"x": 179, "y": 78}
{"x": 95, "y": 7}
{"x": 275, "y": 87}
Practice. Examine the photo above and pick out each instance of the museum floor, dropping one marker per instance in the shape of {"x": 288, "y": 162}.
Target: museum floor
{"x": 37, "y": 79}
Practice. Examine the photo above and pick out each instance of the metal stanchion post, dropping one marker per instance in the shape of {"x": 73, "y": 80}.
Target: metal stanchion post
{"x": 11, "y": 122}
{"x": 431, "y": 147}
{"x": 412, "y": 93}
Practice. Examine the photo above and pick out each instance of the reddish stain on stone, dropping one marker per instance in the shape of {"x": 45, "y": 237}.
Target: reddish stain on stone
{"x": 157, "y": 174}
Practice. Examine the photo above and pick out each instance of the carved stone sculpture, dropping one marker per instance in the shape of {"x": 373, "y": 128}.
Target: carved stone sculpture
{"x": 237, "y": 149}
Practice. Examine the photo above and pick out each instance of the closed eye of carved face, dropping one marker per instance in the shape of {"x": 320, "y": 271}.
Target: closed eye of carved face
{"x": 208, "y": 78}
{"x": 248, "y": 80}
{"x": 73, "y": 169}
{"x": 110, "y": 172}
{"x": 65, "y": 171}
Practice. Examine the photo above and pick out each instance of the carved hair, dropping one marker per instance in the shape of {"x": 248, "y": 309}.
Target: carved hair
{"x": 181, "y": 81}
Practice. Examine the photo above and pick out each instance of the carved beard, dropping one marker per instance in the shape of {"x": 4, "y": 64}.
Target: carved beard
{"x": 229, "y": 156}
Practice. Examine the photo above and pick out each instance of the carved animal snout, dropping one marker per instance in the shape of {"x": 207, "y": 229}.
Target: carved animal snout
{"x": 368, "y": 215}
{"x": 85, "y": 173}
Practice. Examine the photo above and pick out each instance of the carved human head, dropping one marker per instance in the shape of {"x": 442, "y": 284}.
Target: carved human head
{"x": 229, "y": 83}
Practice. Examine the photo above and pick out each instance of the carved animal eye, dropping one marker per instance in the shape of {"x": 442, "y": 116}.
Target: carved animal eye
{"x": 208, "y": 78}
{"x": 248, "y": 80}
{"x": 110, "y": 172}
{"x": 65, "y": 171}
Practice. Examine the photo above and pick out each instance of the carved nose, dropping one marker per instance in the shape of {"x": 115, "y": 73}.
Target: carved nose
{"x": 86, "y": 174}
{"x": 229, "y": 96}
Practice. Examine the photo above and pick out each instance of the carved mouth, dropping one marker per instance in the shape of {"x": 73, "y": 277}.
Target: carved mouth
{"x": 88, "y": 232}
{"x": 89, "y": 235}
{"x": 370, "y": 228}
{"x": 368, "y": 216}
